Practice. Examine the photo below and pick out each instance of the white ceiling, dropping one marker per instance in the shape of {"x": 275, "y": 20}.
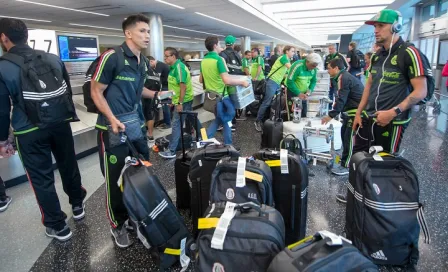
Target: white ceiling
{"x": 244, "y": 23}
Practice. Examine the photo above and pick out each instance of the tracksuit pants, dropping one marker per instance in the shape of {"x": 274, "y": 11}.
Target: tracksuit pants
{"x": 347, "y": 141}
{"x": 389, "y": 137}
{"x": 2, "y": 190}
{"x": 112, "y": 161}
{"x": 35, "y": 149}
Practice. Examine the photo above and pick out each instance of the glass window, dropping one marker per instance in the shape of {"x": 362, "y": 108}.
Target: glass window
{"x": 428, "y": 12}
{"x": 436, "y": 51}
{"x": 443, "y": 8}
{"x": 423, "y": 46}
{"x": 429, "y": 49}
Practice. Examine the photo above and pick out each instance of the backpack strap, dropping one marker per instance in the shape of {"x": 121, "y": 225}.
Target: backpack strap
{"x": 400, "y": 56}
{"x": 16, "y": 59}
{"x": 120, "y": 60}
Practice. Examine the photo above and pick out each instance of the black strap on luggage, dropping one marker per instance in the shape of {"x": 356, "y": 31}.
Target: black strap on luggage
{"x": 195, "y": 115}
{"x": 134, "y": 152}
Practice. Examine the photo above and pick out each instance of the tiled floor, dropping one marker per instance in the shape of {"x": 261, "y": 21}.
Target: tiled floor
{"x": 92, "y": 249}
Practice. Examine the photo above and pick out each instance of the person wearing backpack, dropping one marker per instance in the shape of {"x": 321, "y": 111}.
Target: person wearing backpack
{"x": 117, "y": 95}
{"x": 400, "y": 77}
{"x": 39, "y": 87}
{"x": 355, "y": 59}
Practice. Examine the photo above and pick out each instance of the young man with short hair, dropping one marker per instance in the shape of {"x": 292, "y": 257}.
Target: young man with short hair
{"x": 333, "y": 54}
{"x": 353, "y": 60}
{"x": 124, "y": 93}
{"x": 36, "y": 141}
{"x": 348, "y": 95}
{"x": 179, "y": 81}
{"x": 215, "y": 77}
{"x": 257, "y": 70}
{"x": 247, "y": 62}
{"x": 163, "y": 70}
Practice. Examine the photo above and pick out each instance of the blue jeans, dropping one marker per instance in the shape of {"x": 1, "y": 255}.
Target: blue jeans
{"x": 213, "y": 127}
{"x": 178, "y": 122}
{"x": 166, "y": 114}
{"x": 271, "y": 89}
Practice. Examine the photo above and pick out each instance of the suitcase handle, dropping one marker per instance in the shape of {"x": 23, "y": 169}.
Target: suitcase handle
{"x": 246, "y": 207}
{"x": 196, "y": 121}
{"x": 215, "y": 156}
{"x": 125, "y": 138}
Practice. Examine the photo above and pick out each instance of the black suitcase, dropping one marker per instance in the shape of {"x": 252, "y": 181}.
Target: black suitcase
{"x": 158, "y": 224}
{"x": 254, "y": 237}
{"x": 315, "y": 254}
{"x": 202, "y": 165}
{"x": 292, "y": 144}
{"x": 384, "y": 214}
{"x": 182, "y": 168}
{"x": 290, "y": 191}
{"x": 258, "y": 188}
{"x": 272, "y": 133}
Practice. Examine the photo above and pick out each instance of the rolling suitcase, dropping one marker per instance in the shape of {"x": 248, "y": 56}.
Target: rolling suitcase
{"x": 158, "y": 224}
{"x": 292, "y": 144}
{"x": 253, "y": 185}
{"x": 384, "y": 215}
{"x": 272, "y": 132}
{"x": 290, "y": 190}
{"x": 317, "y": 255}
{"x": 254, "y": 237}
{"x": 202, "y": 165}
{"x": 181, "y": 169}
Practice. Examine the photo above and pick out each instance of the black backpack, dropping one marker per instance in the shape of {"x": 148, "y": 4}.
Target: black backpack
{"x": 233, "y": 62}
{"x": 430, "y": 82}
{"x": 46, "y": 95}
{"x": 358, "y": 60}
{"x": 88, "y": 101}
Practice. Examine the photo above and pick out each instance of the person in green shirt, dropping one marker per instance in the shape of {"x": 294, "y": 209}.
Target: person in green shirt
{"x": 247, "y": 62}
{"x": 179, "y": 82}
{"x": 275, "y": 77}
{"x": 302, "y": 78}
{"x": 257, "y": 72}
{"x": 215, "y": 76}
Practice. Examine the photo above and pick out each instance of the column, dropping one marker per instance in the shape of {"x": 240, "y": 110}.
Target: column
{"x": 201, "y": 54}
{"x": 415, "y": 25}
{"x": 155, "y": 47}
{"x": 245, "y": 44}
{"x": 272, "y": 45}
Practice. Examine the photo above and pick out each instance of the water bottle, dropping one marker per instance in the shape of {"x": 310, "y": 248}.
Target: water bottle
{"x": 297, "y": 109}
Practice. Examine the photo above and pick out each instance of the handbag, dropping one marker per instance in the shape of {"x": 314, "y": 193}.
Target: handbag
{"x": 133, "y": 128}
{"x": 210, "y": 100}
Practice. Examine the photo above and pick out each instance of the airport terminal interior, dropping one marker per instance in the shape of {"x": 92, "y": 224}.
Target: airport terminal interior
{"x": 80, "y": 31}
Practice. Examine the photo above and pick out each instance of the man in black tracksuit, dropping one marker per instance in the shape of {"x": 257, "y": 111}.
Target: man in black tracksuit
{"x": 35, "y": 144}
{"x": 333, "y": 54}
{"x": 348, "y": 95}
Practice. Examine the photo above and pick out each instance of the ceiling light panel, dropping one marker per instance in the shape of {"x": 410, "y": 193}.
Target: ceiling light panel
{"x": 169, "y": 4}
{"x": 222, "y": 21}
{"x": 59, "y": 7}
{"x": 321, "y": 4}
{"x": 169, "y": 40}
{"x": 101, "y": 27}
{"x": 329, "y": 26}
{"x": 317, "y": 28}
{"x": 330, "y": 19}
{"x": 186, "y": 29}
{"x": 25, "y": 19}
{"x": 325, "y": 32}
{"x": 174, "y": 36}
{"x": 329, "y": 13}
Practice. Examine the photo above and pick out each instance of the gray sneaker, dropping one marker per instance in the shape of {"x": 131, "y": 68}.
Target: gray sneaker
{"x": 61, "y": 235}
{"x": 342, "y": 197}
{"x": 258, "y": 126}
{"x": 168, "y": 154}
{"x": 340, "y": 171}
{"x": 121, "y": 237}
{"x": 5, "y": 203}
{"x": 79, "y": 211}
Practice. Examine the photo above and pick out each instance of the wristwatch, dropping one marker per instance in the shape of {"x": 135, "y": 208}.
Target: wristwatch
{"x": 179, "y": 103}
{"x": 397, "y": 110}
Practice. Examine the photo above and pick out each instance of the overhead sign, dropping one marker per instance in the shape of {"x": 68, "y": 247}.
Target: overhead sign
{"x": 44, "y": 40}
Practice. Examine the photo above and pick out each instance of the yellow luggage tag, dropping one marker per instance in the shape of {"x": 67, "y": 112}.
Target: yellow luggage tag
{"x": 208, "y": 223}
{"x": 304, "y": 240}
{"x": 274, "y": 163}
{"x": 172, "y": 251}
{"x": 253, "y": 176}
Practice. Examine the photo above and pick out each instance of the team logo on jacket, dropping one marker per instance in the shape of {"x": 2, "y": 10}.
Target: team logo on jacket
{"x": 379, "y": 255}
{"x": 377, "y": 189}
{"x": 230, "y": 194}
{"x": 393, "y": 61}
{"x": 217, "y": 267}
{"x": 42, "y": 84}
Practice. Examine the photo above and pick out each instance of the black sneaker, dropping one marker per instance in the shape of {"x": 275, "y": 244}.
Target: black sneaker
{"x": 341, "y": 198}
{"x": 5, "y": 203}
{"x": 129, "y": 225}
{"x": 258, "y": 126}
{"x": 61, "y": 235}
{"x": 220, "y": 128}
{"x": 79, "y": 212}
{"x": 233, "y": 128}
{"x": 121, "y": 237}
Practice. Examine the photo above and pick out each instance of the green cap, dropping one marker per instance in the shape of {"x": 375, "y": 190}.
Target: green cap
{"x": 386, "y": 16}
{"x": 230, "y": 40}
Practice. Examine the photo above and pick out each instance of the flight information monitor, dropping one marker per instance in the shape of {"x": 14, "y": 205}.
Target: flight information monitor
{"x": 76, "y": 48}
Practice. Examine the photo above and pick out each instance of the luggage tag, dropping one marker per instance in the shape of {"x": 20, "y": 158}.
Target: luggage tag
{"x": 184, "y": 259}
{"x": 273, "y": 163}
{"x": 335, "y": 239}
{"x": 127, "y": 162}
{"x": 213, "y": 141}
{"x": 284, "y": 161}
{"x": 223, "y": 225}
{"x": 240, "y": 173}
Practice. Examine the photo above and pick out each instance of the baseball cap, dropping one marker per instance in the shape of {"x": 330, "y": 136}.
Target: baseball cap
{"x": 386, "y": 16}
{"x": 230, "y": 40}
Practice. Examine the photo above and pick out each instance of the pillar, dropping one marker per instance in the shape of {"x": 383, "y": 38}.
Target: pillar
{"x": 245, "y": 44}
{"x": 272, "y": 45}
{"x": 155, "y": 47}
{"x": 201, "y": 54}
